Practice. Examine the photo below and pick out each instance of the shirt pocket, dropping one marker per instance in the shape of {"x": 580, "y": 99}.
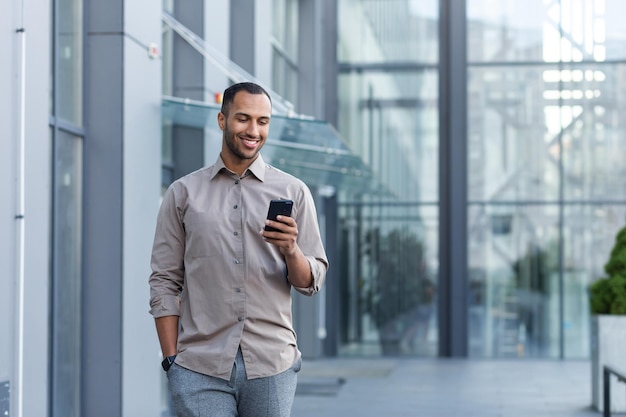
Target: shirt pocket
{"x": 203, "y": 234}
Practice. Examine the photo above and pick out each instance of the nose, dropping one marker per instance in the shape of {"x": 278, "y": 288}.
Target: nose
{"x": 252, "y": 129}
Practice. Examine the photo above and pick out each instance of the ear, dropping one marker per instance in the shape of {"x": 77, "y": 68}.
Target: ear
{"x": 221, "y": 120}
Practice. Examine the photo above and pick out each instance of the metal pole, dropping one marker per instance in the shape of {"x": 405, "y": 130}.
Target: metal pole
{"x": 606, "y": 386}
{"x": 19, "y": 216}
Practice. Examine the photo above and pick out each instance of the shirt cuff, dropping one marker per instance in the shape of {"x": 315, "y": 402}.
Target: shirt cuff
{"x": 318, "y": 271}
{"x": 165, "y": 305}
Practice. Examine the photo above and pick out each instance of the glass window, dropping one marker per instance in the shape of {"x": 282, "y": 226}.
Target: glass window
{"x": 521, "y": 116}
{"x": 389, "y": 117}
{"x": 513, "y": 281}
{"x": 551, "y": 31}
{"x": 383, "y": 31}
{"x": 284, "y": 76}
{"x": 390, "y": 279}
{"x": 285, "y": 49}
{"x": 513, "y": 134}
{"x": 544, "y": 125}
{"x": 593, "y": 130}
{"x": 66, "y": 281}
{"x": 69, "y": 58}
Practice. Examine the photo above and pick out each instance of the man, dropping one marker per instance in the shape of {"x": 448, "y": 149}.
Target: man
{"x": 221, "y": 285}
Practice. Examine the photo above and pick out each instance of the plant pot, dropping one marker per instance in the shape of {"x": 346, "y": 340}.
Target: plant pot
{"x": 608, "y": 347}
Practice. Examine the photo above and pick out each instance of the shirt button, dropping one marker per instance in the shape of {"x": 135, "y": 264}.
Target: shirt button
{"x": 238, "y": 289}
{"x": 235, "y": 206}
{"x": 237, "y": 261}
{"x": 235, "y": 233}
{"x": 240, "y": 318}
{"x": 236, "y": 181}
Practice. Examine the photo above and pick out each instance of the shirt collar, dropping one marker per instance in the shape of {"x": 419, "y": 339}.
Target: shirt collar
{"x": 257, "y": 168}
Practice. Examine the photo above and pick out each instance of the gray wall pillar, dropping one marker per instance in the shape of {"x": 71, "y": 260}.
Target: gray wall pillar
{"x": 242, "y": 31}
{"x": 189, "y": 82}
{"x": 453, "y": 270}
{"x": 333, "y": 289}
{"x": 102, "y": 285}
{"x": 315, "y": 317}
{"x": 120, "y": 355}
{"x": 188, "y": 63}
{"x": 317, "y": 61}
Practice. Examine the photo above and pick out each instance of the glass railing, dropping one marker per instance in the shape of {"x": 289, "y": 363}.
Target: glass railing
{"x": 310, "y": 149}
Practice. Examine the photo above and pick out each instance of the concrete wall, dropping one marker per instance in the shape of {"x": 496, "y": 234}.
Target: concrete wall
{"x": 9, "y": 42}
{"x": 141, "y": 371}
{"x": 121, "y": 375}
{"x": 34, "y": 310}
{"x": 38, "y": 205}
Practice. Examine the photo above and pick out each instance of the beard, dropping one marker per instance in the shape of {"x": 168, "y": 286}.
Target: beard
{"x": 236, "y": 148}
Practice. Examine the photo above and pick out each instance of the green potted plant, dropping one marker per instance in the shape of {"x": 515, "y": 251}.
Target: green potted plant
{"x": 608, "y": 294}
{"x": 401, "y": 290}
{"x": 607, "y": 298}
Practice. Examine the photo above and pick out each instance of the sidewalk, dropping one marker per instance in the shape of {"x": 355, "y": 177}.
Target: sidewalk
{"x": 443, "y": 388}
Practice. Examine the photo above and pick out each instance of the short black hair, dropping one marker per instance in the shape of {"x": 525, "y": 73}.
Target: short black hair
{"x": 230, "y": 92}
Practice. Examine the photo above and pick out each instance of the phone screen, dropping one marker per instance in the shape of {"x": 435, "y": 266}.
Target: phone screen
{"x": 278, "y": 208}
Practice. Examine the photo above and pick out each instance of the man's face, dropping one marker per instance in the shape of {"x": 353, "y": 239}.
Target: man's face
{"x": 245, "y": 127}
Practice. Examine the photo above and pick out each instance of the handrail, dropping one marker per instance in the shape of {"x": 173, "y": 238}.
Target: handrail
{"x": 606, "y": 386}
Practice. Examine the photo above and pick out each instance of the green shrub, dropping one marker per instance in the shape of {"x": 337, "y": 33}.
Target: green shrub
{"x": 608, "y": 294}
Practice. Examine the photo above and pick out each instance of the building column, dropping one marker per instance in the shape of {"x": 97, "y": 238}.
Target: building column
{"x": 120, "y": 354}
{"x": 453, "y": 270}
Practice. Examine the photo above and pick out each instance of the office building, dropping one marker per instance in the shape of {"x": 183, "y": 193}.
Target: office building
{"x": 465, "y": 157}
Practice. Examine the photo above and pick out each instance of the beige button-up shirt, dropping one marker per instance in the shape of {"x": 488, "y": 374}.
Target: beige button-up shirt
{"x": 212, "y": 268}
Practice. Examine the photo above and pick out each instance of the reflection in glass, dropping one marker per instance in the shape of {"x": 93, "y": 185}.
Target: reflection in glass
{"x": 66, "y": 279}
{"x": 520, "y": 119}
{"x": 593, "y": 131}
{"x": 513, "y": 145}
{"x": 514, "y": 281}
{"x": 390, "y": 284}
{"x": 383, "y": 31}
{"x": 545, "y": 126}
{"x": 285, "y": 49}
{"x": 390, "y": 120}
{"x": 69, "y": 56}
{"x": 550, "y": 31}
{"x": 388, "y": 116}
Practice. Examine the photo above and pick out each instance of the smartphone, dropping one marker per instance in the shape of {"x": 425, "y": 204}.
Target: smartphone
{"x": 278, "y": 208}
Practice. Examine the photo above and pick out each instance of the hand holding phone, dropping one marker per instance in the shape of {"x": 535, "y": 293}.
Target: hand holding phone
{"x": 278, "y": 208}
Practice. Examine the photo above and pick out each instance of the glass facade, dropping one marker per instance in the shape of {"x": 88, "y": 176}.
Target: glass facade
{"x": 544, "y": 179}
{"x": 66, "y": 287}
{"x": 544, "y": 140}
{"x": 545, "y": 190}
{"x": 67, "y": 196}
{"x": 388, "y": 114}
{"x": 544, "y": 183}
{"x": 285, "y": 48}
{"x": 69, "y": 59}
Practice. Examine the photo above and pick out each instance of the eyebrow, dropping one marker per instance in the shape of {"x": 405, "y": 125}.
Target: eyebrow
{"x": 250, "y": 117}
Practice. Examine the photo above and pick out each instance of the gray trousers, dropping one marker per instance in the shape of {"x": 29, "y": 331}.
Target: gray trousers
{"x": 199, "y": 395}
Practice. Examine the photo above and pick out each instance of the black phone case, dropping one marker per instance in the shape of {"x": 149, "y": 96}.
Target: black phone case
{"x": 278, "y": 208}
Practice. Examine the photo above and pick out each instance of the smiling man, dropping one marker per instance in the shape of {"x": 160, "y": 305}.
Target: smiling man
{"x": 220, "y": 288}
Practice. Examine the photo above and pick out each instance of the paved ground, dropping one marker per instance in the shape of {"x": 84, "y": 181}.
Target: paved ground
{"x": 444, "y": 388}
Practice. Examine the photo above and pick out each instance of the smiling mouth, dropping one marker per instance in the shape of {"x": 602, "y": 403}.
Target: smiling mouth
{"x": 251, "y": 143}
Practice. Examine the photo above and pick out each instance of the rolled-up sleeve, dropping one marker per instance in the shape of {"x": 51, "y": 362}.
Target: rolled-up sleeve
{"x": 310, "y": 242}
{"x": 318, "y": 272}
{"x": 167, "y": 262}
